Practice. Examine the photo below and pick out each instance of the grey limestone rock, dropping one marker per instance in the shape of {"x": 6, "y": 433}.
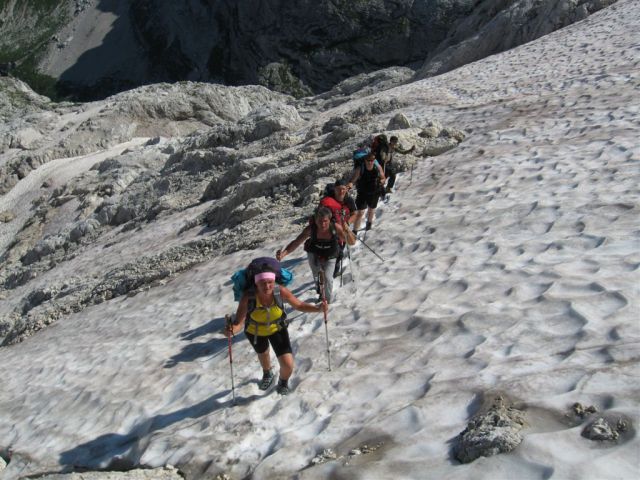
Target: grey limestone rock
{"x": 341, "y": 135}
{"x": 6, "y": 217}
{"x": 497, "y": 430}
{"x": 581, "y": 411}
{"x": 610, "y": 427}
{"x": 164, "y": 473}
{"x": 254, "y": 159}
{"x": 26, "y": 139}
{"x": 398, "y": 122}
{"x": 431, "y": 130}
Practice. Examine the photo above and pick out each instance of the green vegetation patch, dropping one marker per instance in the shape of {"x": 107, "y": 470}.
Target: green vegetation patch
{"x": 26, "y": 29}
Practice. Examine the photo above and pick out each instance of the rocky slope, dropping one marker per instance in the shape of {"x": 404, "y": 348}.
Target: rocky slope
{"x": 91, "y": 49}
{"x": 227, "y": 160}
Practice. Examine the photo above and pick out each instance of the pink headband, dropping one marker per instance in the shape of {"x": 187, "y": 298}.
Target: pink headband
{"x": 265, "y": 276}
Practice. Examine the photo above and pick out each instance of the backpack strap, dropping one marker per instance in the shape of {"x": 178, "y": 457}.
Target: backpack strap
{"x": 375, "y": 167}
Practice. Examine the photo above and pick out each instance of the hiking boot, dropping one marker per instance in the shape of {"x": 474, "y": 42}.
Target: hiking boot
{"x": 267, "y": 380}
{"x": 367, "y": 227}
{"x": 388, "y": 190}
{"x": 338, "y": 270}
{"x": 282, "y": 390}
{"x": 283, "y": 387}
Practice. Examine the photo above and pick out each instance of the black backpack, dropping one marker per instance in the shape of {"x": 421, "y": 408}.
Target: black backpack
{"x": 379, "y": 145}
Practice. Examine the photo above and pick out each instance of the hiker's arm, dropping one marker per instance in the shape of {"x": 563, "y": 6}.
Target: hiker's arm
{"x": 403, "y": 151}
{"x": 306, "y": 233}
{"x": 343, "y": 235}
{"x": 347, "y": 234}
{"x": 339, "y": 232}
{"x": 381, "y": 175}
{"x": 241, "y": 315}
{"x": 301, "y": 306}
{"x": 353, "y": 213}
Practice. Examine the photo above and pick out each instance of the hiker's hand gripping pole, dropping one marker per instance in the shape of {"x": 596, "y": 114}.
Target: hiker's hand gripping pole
{"x": 324, "y": 310}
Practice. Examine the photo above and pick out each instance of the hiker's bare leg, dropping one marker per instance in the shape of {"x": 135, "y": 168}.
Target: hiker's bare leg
{"x": 265, "y": 359}
{"x": 286, "y": 365}
{"x": 370, "y": 214}
{"x": 358, "y": 220}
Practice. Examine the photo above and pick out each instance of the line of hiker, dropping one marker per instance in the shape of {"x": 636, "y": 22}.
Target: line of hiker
{"x": 261, "y": 287}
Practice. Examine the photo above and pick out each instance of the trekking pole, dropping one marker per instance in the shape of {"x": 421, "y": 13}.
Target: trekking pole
{"x": 326, "y": 328}
{"x": 229, "y": 336}
{"x": 374, "y": 252}
{"x": 353, "y": 273}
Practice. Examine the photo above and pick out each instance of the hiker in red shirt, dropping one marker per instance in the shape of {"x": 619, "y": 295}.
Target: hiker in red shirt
{"x": 343, "y": 208}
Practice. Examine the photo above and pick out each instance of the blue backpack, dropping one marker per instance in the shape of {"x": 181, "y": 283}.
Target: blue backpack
{"x": 243, "y": 278}
{"x": 359, "y": 155}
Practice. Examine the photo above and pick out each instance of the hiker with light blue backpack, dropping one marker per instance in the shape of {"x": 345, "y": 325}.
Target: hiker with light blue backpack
{"x": 261, "y": 290}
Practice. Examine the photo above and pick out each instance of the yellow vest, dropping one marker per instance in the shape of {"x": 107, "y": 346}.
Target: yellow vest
{"x": 264, "y": 319}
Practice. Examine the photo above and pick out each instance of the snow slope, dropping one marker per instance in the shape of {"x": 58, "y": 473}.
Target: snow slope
{"x": 511, "y": 267}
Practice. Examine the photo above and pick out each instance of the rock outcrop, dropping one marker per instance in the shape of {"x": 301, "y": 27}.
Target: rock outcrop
{"x": 239, "y": 158}
{"x": 496, "y": 430}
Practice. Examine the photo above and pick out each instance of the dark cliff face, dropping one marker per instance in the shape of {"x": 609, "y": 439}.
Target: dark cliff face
{"x": 292, "y": 46}
{"x": 322, "y": 41}
{"x": 318, "y": 42}
{"x": 325, "y": 42}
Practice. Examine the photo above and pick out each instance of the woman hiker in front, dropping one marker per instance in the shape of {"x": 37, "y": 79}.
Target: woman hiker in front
{"x": 264, "y": 314}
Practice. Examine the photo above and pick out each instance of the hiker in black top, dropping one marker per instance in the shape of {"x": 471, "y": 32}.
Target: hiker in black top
{"x": 261, "y": 313}
{"x": 369, "y": 179}
{"x": 386, "y": 159}
{"x": 321, "y": 237}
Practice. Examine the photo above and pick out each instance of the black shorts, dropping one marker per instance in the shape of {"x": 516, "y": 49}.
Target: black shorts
{"x": 279, "y": 341}
{"x": 364, "y": 200}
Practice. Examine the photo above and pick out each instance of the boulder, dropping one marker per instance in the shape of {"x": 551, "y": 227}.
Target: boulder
{"x": 25, "y": 139}
{"x": 6, "y": 217}
{"x": 398, "y": 122}
{"x": 497, "y": 430}
{"x": 606, "y": 428}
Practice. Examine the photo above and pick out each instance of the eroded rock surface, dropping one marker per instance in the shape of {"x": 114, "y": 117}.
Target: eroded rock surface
{"x": 497, "y": 430}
